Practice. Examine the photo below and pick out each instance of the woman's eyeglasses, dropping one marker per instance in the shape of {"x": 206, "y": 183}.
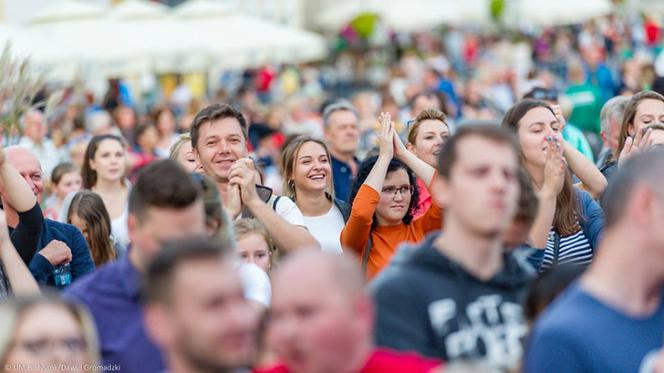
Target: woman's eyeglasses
{"x": 405, "y": 190}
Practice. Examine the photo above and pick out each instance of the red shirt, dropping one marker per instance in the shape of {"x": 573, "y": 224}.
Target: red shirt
{"x": 383, "y": 361}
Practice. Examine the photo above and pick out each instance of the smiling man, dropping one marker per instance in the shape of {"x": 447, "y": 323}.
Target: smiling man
{"x": 219, "y": 138}
{"x": 473, "y": 312}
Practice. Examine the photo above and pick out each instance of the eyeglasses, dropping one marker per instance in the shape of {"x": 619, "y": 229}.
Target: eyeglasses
{"x": 405, "y": 190}
{"x": 43, "y": 346}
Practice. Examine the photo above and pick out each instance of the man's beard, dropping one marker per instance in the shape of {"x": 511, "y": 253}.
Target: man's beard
{"x": 204, "y": 364}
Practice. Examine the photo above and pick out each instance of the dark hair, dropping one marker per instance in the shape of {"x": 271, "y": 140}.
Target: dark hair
{"x": 448, "y": 154}
{"x": 213, "y": 113}
{"x": 141, "y": 129}
{"x": 162, "y": 184}
{"x": 395, "y": 164}
{"x": 89, "y": 175}
{"x": 644, "y": 167}
{"x": 548, "y": 286}
{"x": 90, "y": 208}
{"x": 61, "y": 170}
{"x": 568, "y": 211}
{"x": 158, "y": 279}
{"x": 630, "y": 114}
{"x": 442, "y": 99}
{"x": 215, "y": 213}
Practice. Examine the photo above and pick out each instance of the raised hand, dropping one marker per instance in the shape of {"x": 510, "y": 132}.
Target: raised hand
{"x": 554, "y": 169}
{"x": 634, "y": 145}
{"x": 243, "y": 174}
{"x": 558, "y": 112}
{"x": 386, "y": 136}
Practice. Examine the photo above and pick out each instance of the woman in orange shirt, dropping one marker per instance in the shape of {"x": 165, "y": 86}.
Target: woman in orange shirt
{"x": 384, "y": 199}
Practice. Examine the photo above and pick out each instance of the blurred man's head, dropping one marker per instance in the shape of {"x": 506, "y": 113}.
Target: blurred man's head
{"x": 315, "y": 330}
{"x": 195, "y": 308}
{"x": 164, "y": 204}
{"x": 611, "y": 118}
{"x": 219, "y": 138}
{"x": 517, "y": 233}
{"x": 478, "y": 184}
{"x": 342, "y": 131}
{"x": 425, "y": 100}
{"x": 28, "y": 166}
{"x": 34, "y": 126}
{"x": 634, "y": 202}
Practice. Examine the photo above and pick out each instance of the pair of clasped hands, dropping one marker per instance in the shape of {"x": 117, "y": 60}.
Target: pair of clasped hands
{"x": 242, "y": 180}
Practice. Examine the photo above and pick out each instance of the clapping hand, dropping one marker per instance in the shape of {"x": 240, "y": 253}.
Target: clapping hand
{"x": 554, "y": 168}
{"x": 635, "y": 145}
{"x": 386, "y": 136}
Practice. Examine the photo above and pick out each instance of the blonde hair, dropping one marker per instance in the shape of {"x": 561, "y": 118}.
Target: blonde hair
{"x": 13, "y": 310}
{"x": 246, "y": 226}
{"x": 288, "y": 161}
{"x": 175, "y": 148}
{"x": 427, "y": 114}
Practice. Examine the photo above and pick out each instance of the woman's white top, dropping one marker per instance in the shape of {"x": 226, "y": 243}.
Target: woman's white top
{"x": 326, "y": 229}
{"x": 120, "y": 232}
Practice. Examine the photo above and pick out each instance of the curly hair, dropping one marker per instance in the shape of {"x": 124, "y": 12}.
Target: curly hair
{"x": 395, "y": 164}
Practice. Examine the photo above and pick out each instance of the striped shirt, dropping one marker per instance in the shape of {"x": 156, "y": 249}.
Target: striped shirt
{"x": 574, "y": 249}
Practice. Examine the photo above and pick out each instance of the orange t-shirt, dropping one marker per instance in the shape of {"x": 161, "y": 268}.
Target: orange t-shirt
{"x": 385, "y": 239}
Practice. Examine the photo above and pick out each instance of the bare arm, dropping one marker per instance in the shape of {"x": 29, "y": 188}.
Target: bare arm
{"x": 20, "y": 278}
{"x": 554, "y": 179}
{"x": 591, "y": 178}
{"x": 422, "y": 169}
{"x": 286, "y": 236}
{"x": 18, "y": 192}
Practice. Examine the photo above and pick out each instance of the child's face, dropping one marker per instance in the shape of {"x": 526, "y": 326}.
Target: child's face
{"x": 70, "y": 182}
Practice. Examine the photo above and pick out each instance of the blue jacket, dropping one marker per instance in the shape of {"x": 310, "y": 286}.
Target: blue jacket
{"x": 592, "y": 218}
{"x": 81, "y": 262}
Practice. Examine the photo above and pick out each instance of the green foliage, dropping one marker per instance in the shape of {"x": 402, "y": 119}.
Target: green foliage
{"x": 19, "y": 86}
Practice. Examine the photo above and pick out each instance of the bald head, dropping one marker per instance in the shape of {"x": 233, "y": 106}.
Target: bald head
{"x": 337, "y": 272}
{"x": 28, "y": 166}
{"x": 322, "y": 320}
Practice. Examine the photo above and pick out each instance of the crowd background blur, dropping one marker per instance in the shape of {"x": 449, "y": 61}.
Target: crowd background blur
{"x": 475, "y": 72}
{"x": 370, "y": 126}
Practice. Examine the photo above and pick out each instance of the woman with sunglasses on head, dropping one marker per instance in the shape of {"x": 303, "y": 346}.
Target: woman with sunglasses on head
{"x": 427, "y": 134}
{"x": 307, "y": 171}
{"x": 384, "y": 198}
{"x": 568, "y": 222}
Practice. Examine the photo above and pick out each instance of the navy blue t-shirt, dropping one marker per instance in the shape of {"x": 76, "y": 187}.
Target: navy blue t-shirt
{"x": 579, "y": 333}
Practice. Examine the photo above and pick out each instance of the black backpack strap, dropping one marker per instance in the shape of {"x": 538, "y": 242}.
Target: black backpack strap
{"x": 274, "y": 203}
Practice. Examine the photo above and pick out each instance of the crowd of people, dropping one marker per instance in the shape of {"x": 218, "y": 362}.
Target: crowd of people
{"x": 511, "y": 227}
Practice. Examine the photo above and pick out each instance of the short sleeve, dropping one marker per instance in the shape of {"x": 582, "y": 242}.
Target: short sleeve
{"x": 289, "y": 211}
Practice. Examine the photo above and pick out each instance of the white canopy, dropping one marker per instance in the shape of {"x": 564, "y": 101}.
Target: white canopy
{"x": 407, "y": 15}
{"x": 230, "y": 39}
{"x": 555, "y": 13}
{"x": 139, "y": 36}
